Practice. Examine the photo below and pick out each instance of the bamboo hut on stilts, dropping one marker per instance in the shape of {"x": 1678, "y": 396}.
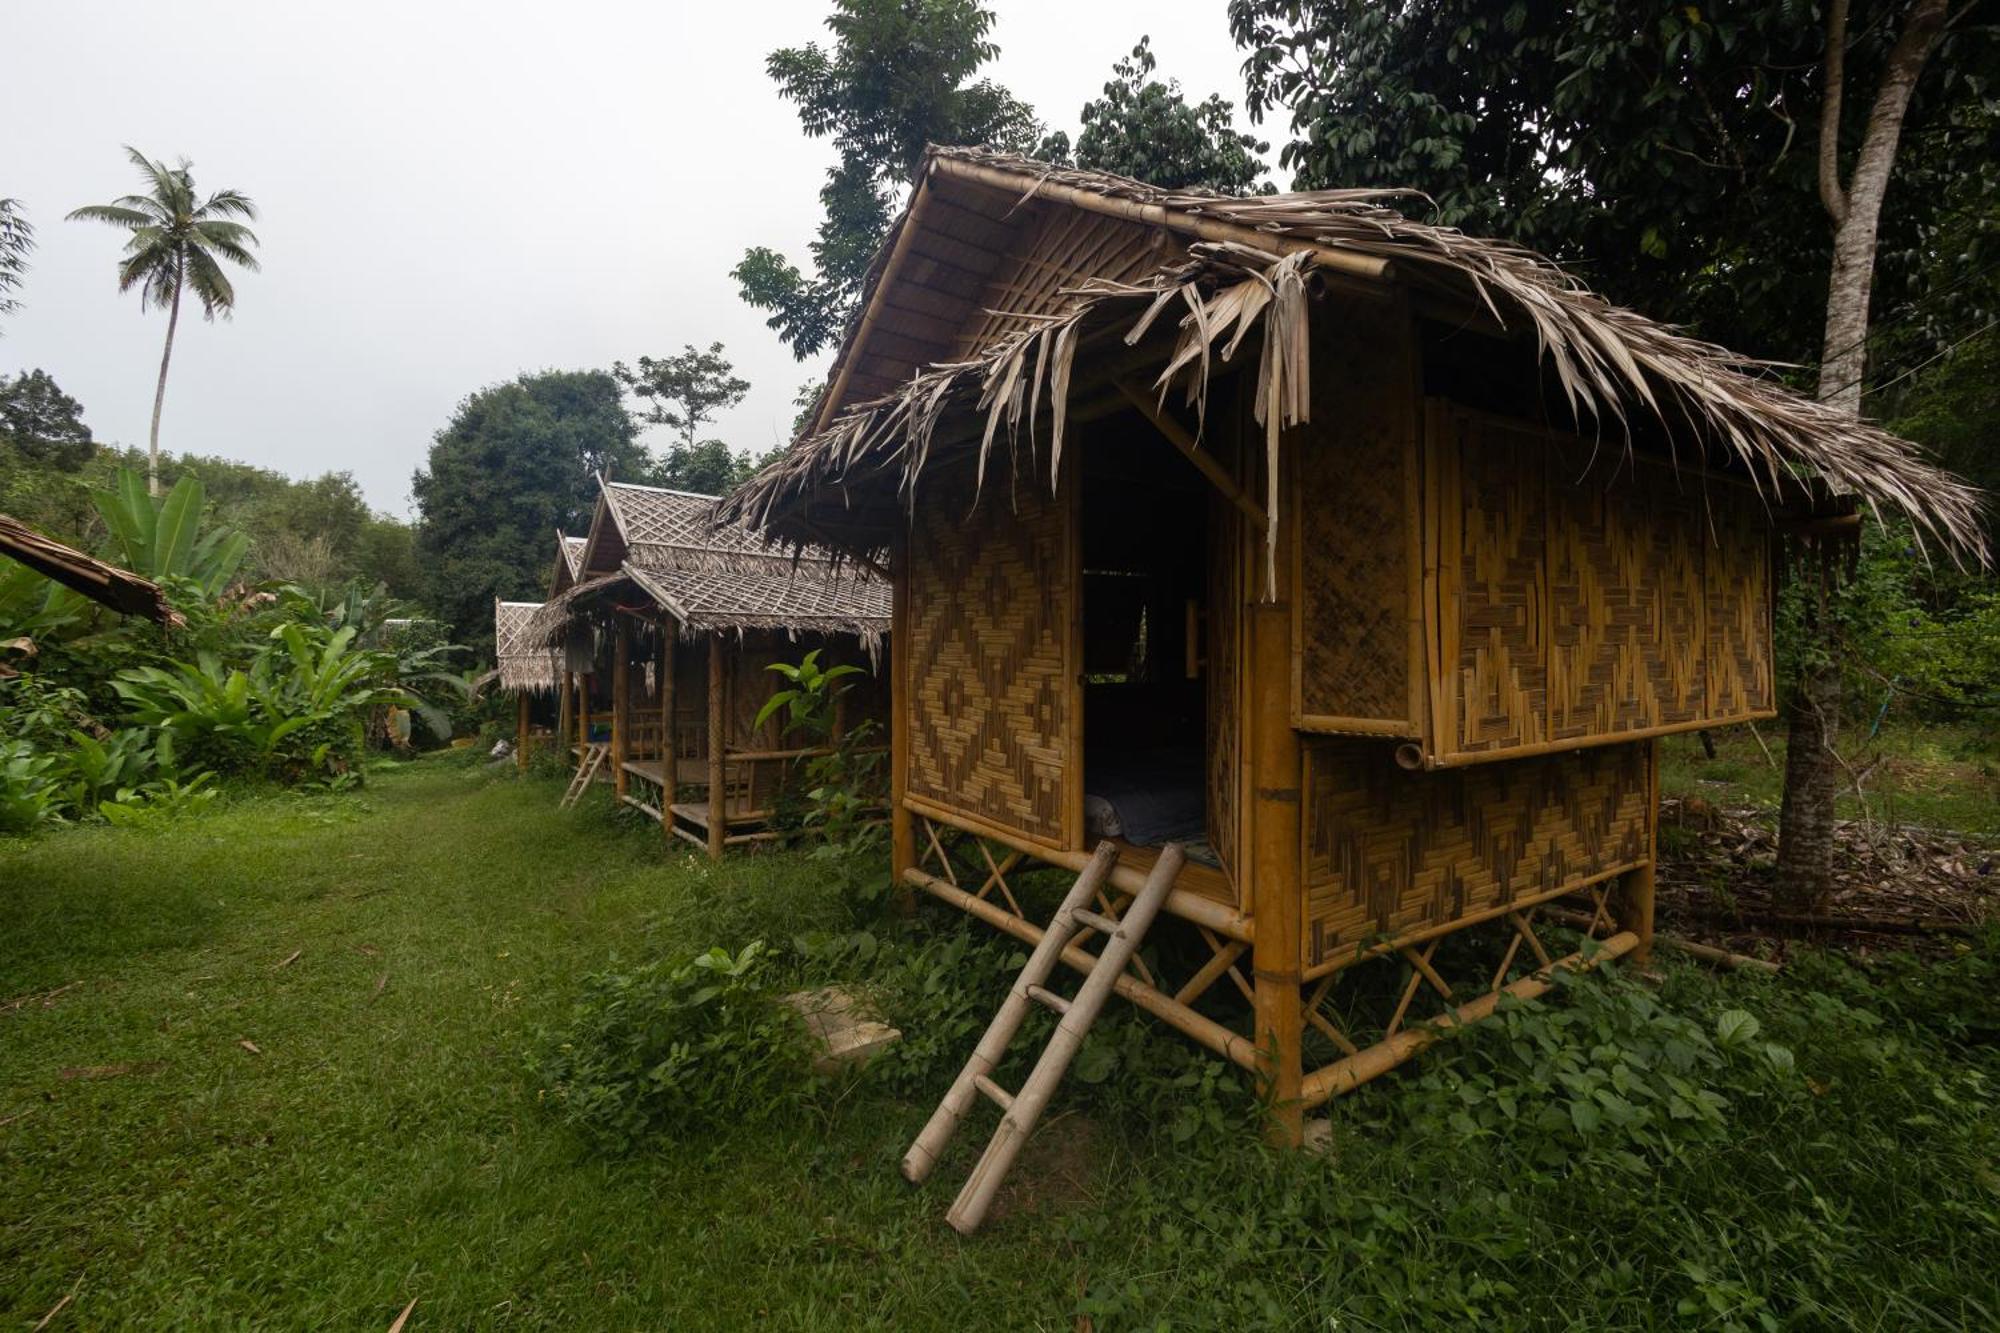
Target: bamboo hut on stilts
{"x": 1358, "y": 561}
{"x": 525, "y": 670}
{"x": 667, "y": 627}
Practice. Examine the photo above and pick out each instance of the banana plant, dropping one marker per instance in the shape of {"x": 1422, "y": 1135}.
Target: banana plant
{"x": 162, "y": 538}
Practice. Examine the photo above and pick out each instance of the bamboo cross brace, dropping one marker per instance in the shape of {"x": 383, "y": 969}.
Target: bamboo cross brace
{"x": 1321, "y": 1021}
{"x": 1506, "y": 962}
{"x": 1223, "y": 960}
{"x": 1190, "y": 449}
{"x": 1527, "y": 929}
{"x": 998, "y": 877}
{"x": 944, "y": 859}
{"x": 1419, "y": 973}
{"x": 1600, "y": 912}
{"x": 1112, "y": 908}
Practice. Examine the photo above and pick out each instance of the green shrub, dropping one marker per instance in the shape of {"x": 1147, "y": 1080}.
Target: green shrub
{"x": 674, "y": 1048}
{"x": 30, "y": 792}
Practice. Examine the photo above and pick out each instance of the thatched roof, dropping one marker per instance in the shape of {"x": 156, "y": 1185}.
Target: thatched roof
{"x": 523, "y": 665}
{"x": 1238, "y": 274}
{"x": 119, "y": 589}
{"x": 569, "y": 562}
{"x": 661, "y": 548}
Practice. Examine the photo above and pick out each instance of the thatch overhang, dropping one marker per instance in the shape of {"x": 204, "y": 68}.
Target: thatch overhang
{"x": 522, "y": 664}
{"x": 925, "y": 369}
{"x": 102, "y": 582}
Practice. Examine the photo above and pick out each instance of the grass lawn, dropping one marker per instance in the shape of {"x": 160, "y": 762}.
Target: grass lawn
{"x": 1632, "y": 1156}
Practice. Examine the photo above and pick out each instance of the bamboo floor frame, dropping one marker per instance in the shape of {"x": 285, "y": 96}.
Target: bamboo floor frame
{"x": 1619, "y": 925}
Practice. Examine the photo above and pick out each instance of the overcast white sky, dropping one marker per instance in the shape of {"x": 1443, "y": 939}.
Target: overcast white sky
{"x": 450, "y": 194}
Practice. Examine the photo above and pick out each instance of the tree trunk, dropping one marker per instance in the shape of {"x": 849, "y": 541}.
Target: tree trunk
{"x": 1805, "y": 821}
{"x": 160, "y": 393}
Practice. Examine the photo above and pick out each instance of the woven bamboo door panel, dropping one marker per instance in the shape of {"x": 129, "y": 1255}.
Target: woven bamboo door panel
{"x": 1740, "y": 672}
{"x": 991, "y": 600}
{"x": 1625, "y": 596}
{"x": 1390, "y": 852}
{"x": 1494, "y": 550}
{"x": 1359, "y": 645}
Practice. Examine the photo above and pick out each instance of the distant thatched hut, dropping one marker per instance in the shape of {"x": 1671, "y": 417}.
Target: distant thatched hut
{"x": 655, "y": 576}
{"x": 1368, "y": 557}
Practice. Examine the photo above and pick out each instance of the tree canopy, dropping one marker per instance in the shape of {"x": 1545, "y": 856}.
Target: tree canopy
{"x": 42, "y": 423}
{"x": 517, "y": 462}
{"x": 684, "y": 392}
{"x": 898, "y": 75}
{"x": 1665, "y": 152}
{"x": 1144, "y": 128}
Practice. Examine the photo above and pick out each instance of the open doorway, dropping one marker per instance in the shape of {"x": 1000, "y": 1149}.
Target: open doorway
{"x": 1145, "y": 586}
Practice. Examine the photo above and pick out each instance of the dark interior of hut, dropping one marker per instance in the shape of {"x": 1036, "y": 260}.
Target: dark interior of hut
{"x": 1145, "y": 545}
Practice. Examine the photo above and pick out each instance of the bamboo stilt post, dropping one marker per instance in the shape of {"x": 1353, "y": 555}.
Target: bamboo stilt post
{"x": 1637, "y": 891}
{"x": 521, "y": 731}
{"x": 564, "y": 695}
{"x": 583, "y": 712}
{"x": 621, "y": 708}
{"x": 1276, "y": 763}
{"x": 718, "y": 739}
{"x": 669, "y": 739}
{"x": 902, "y": 823}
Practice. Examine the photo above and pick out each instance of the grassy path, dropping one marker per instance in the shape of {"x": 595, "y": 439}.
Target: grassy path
{"x": 380, "y": 1144}
{"x": 391, "y": 955}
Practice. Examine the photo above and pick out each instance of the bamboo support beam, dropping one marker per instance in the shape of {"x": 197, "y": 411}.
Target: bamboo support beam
{"x": 1231, "y": 1046}
{"x": 1707, "y": 953}
{"x": 718, "y": 792}
{"x": 1202, "y": 226}
{"x": 521, "y": 732}
{"x": 1189, "y": 448}
{"x": 1344, "y": 1076}
{"x": 564, "y": 696}
{"x": 621, "y": 707}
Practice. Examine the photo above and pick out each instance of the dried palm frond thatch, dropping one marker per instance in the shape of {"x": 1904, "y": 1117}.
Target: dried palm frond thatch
{"x": 522, "y": 663}
{"x": 1248, "y": 271}
{"x": 102, "y": 582}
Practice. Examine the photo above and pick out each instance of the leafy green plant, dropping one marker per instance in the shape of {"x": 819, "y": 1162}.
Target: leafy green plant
{"x": 807, "y": 701}
{"x": 678, "y": 1047}
{"x": 29, "y": 790}
{"x": 98, "y": 771}
{"x": 164, "y": 538}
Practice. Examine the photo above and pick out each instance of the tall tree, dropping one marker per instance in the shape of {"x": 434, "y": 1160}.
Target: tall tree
{"x": 685, "y": 392}
{"x": 1144, "y": 128}
{"x": 1665, "y": 152}
{"x": 43, "y": 423}
{"x": 1854, "y": 206}
{"x": 516, "y": 462}
{"x": 899, "y": 75}
{"x": 178, "y": 241}
{"x": 17, "y": 237}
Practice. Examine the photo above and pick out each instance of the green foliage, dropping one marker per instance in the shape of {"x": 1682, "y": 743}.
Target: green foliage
{"x": 899, "y": 74}
{"x": 42, "y": 423}
{"x": 1671, "y": 149}
{"x": 684, "y": 392}
{"x": 163, "y": 538}
{"x": 17, "y": 237}
{"x": 677, "y": 1048}
{"x": 517, "y": 462}
{"x": 177, "y": 237}
{"x": 807, "y": 700}
{"x": 1147, "y": 130}
{"x": 30, "y": 790}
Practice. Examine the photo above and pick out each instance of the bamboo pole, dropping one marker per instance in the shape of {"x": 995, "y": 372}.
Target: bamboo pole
{"x": 1637, "y": 888}
{"x": 621, "y": 707}
{"x": 1276, "y": 760}
{"x": 1202, "y": 226}
{"x": 564, "y": 696}
{"x": 1205, "y": 462}
{"x": 1707, "y": 953}
{"x": 521, "y": 732}
{"x": 669, "y": 740}
{"x": 902, "y": 699}
{"x": 718, "y": 797}
{"x": 583, "y": 713}
{"x": 1343, "y": 1076}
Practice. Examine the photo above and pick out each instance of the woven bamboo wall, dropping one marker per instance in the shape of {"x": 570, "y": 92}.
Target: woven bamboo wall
{"x": 1359, "y": 631}
{"x": 1390, "y": 852}
{"x": 1581, "y": 595}
{"x": 988, "y": 670}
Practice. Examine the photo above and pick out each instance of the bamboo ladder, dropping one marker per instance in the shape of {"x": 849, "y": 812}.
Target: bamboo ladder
{"x": 586, "y": 769}
{"x": 1022, "y": 1110}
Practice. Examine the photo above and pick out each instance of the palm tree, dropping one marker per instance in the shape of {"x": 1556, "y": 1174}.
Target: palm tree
{"x": 176, "y": 242}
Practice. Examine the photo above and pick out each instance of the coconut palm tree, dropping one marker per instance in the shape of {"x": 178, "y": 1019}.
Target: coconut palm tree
{"x": 177, "y": 240}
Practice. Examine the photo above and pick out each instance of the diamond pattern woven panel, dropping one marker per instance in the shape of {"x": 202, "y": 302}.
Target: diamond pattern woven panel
{"x": 1594, "y": 595}
{"x": 1356, "y": 486}
{"x": 1740, "y": 673}
{"x": 1625, "y": 597}
{"x": 1390, "y": 852}
{"x": 986, "y": 670}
